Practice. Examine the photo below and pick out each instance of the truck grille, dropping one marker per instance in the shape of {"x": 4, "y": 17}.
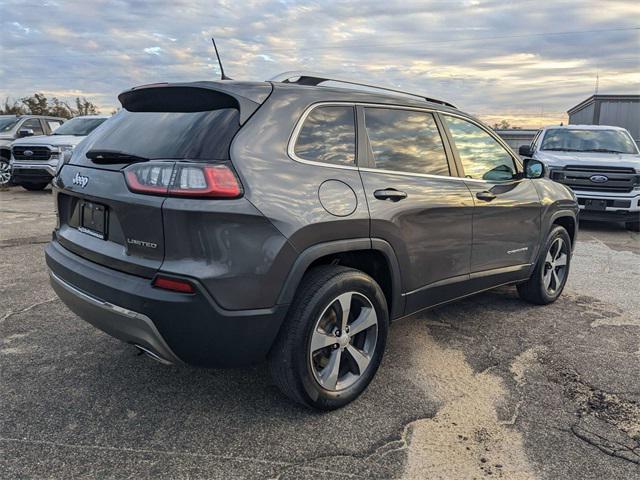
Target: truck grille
{"x": 31, "y": 153}
{"x": 618, "y": 179}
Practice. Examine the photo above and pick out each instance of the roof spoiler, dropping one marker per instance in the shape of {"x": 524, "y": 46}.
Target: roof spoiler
{"x": 196, "y": 97}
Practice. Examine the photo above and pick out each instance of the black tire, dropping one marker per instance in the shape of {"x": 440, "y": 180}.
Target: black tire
{"x": 633, "y": 226}
{"x": 34, "y": 187}
{"x": 291, "y": 358}
{"x": 534, "y": 289}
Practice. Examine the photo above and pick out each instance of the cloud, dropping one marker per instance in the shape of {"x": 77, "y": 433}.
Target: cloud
{"x": 527, "y": 61}
{"x": 154, "y": 50}
{"x": 22, "y": 28}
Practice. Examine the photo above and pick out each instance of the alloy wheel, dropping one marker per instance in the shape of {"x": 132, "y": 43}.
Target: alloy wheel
{"x": 555, "y": 266}
{"x": 343, "y": 341}
{"x": 5, "y": 172}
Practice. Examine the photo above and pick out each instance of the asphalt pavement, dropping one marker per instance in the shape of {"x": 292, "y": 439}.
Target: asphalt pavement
{"x": 487, "y": 387}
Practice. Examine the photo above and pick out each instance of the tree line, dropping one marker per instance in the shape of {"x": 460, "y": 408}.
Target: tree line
{"x": 504, "y": 125}
{"x": 39, "y": 104}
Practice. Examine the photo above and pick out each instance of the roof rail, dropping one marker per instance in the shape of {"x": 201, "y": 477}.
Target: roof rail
{"x": 315, "y": 79}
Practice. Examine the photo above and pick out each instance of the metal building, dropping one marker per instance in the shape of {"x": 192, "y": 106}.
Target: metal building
{"x": 618, "y": 110}
{"x": 516, "y": 137}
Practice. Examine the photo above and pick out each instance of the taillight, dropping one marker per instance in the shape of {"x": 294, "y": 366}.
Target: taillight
{"x": 153, "y": 179}
{"x": 183, "y": 180}
{"x": 173, "y": 284}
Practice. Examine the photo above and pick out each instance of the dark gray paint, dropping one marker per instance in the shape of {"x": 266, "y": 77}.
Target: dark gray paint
{"x": 508, "y": 223}
{"x": 429, "y": 230}
{"x": 337, "y": 198}
{"x": 248, "y": 255}
{"x": 229, "y": 246}
{"x": 130, "y": 216}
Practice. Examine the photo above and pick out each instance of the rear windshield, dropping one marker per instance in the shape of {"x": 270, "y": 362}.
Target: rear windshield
{"x": 168, "y": 135}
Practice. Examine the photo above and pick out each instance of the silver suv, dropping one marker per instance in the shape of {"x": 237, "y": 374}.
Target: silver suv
{"x": 19, "y": 126}
{"x": 35, "y": 160}
{"x": 601, "y": 164}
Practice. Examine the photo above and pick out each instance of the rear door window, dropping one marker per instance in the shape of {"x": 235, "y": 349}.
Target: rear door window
{"x": 328, "y": 135}
{"x": 482, "y": 157}
{"x": 33, "y": 124}
{"x": 406, "y": 141}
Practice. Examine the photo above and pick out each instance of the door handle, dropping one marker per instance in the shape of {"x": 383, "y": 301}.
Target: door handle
{"x": 485, "y": 196}
{"x": 389, "y": 194}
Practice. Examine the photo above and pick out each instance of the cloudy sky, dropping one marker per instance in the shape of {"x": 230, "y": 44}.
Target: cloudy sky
{"x": 526, "y": 61}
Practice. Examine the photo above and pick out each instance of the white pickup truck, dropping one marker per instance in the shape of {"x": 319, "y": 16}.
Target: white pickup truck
{"x": 35, "y": 160}
{"x": 601, "y": 164}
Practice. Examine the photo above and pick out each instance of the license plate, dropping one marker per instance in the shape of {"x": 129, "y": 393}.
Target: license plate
{"x": 592, "y": 204}
{"x": 93, "y": 219}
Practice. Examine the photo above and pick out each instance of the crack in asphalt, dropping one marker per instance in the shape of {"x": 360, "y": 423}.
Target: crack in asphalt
{"x": 26, "y": 309}
{"x": 606, "y": 445}
{"x": 153, "y": 451}
{"x": 26, "y": 212}
{"x": 19, "y": 242}
{"x": 615, "y": 420}
{"x": 391, "y": 445}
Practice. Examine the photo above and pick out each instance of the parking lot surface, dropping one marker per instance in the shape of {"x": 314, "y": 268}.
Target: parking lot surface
{"x": 487, "y": 387}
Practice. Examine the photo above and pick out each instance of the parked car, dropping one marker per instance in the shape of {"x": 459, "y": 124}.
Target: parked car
{"x": 34, "y": 160}
{"x": 601, "y": 164}
{"x": 19, "y": 126}
{"x": 225, "y": 223}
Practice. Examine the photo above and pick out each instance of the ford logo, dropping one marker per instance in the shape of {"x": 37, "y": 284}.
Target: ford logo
{"x": 599, "y": 178}
{"x": 27, "y": 153}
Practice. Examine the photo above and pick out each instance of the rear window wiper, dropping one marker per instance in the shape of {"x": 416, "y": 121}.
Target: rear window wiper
{"x": 114, "y": 156}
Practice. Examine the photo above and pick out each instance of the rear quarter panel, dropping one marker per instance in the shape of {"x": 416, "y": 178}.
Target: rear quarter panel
{"x": 229, "y": 246}
{"x": 285, "y": 190}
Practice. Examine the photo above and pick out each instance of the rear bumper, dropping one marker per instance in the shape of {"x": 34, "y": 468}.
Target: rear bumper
{"x": 175, "y": 327}
{"x": 124, "y": 324}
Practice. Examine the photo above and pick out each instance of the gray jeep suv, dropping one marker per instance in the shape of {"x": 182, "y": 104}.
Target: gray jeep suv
{"x": 224, "y": 223}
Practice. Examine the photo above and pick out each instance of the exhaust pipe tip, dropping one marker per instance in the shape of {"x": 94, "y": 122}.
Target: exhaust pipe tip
{"x": 152, "y": 354}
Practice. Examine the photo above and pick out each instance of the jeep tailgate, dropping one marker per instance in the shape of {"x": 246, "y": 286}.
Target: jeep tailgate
{"x": 132, "y": 235}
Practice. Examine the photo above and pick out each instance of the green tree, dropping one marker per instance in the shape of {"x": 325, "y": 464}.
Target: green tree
{"x": 503, "y": 124}
{"x": 11, "y": 108}
{"x": 59, "y": 108}
{"x": 39, "y": 104}
{"x": 85, "y": 107}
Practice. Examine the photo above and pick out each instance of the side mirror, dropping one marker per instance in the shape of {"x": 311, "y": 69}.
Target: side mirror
{"x": 533, "y": 168}
{"x": 25, "y": 132}
{"x": 525, "y": 151}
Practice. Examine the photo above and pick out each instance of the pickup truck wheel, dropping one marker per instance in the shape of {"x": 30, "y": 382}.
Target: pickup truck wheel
{"x": 333, "y": 338}
{"x": 551, "y": 270}
{"x": 633, "y": 226}
{"x": 33, "y": 187}
{"x": 5, "y": 172}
